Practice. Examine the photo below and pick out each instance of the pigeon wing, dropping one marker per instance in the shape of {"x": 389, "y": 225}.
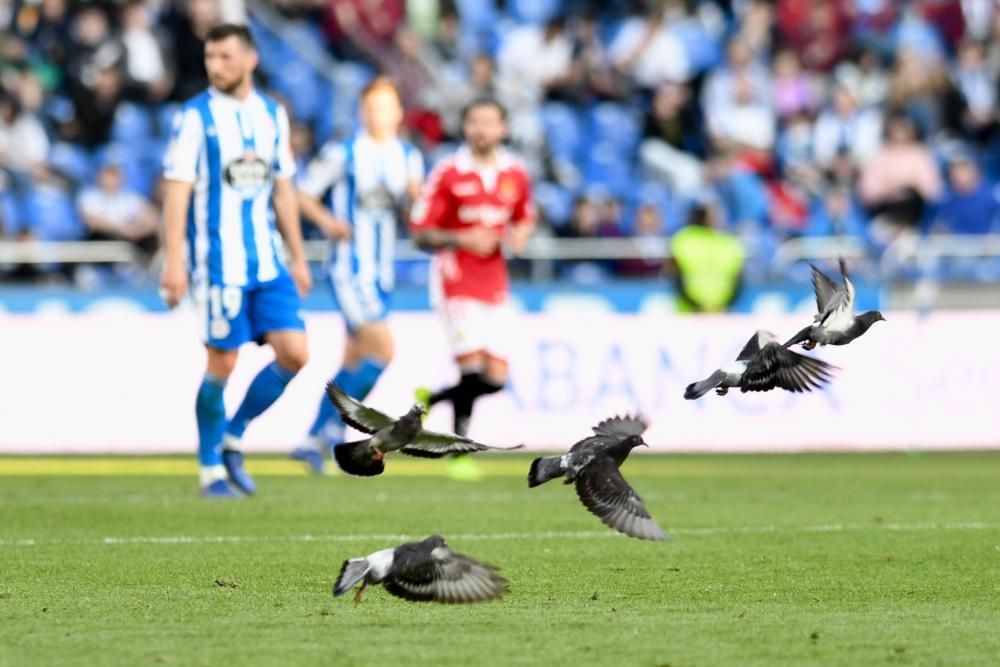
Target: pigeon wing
{"x": 824, "y": 287}
{"x": 621, "y": 427}
{"x": 432, "y": 445}
{"x": 777, "y": 366}
{"x": 351, "y": 572}
{"x": 356, "y": 414}
{"x": 443, "y": 575}
{"x": 751, "y": 349}
{"x": 606, "y": 494}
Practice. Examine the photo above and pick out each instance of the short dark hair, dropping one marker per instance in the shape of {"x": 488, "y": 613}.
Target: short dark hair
{"x": 227, "y": 30}
{"x": 484, "y": 102}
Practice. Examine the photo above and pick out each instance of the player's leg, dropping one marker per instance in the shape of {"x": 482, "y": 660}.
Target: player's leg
{"x": 210, "y": 412}
{"x": 273, "y": 313}
{"x": 368, "y": 350}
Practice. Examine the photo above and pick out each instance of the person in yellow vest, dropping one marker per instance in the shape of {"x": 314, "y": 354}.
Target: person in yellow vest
{"x": 706, "y": 263}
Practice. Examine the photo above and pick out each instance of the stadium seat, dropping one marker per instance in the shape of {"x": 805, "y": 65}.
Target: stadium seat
{"x": 533, "y": 11}
{"x": 555, "y": 202}
{"x": 606, "y": 167}
{"x": 563, "y": 133}
{"x": 132, "y": 124}
{"x": 72, "y": 161}
{"x": 52, "y": 213}
{"x": 613, "y": 124}
{"x": 165, "y": 114}
{"x": 11, "y": 220}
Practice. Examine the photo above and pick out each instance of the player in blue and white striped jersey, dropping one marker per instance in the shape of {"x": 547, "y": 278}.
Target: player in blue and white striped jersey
{"x": 228, "y": 164}
{"x": 356, "y": 191}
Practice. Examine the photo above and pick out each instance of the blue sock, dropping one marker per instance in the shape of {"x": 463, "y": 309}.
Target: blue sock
{"x": 357, "y": 383}
{"x": 262, "y": 393}
{"x": 211, "y": 414}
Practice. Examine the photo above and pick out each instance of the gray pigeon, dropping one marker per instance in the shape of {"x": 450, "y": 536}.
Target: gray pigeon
{"x": 425, "y": 571}
{"x": 366, "y": 457}
{"x": 592, "y": 464}
{"x": 835, "y": 323}
{"x": 764, "y": 364}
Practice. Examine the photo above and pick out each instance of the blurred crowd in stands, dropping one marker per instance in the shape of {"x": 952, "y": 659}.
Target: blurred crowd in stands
{"x": 772, "y": 119}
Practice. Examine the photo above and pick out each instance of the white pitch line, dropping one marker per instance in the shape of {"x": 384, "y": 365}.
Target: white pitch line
{"x": 472, "y": 537}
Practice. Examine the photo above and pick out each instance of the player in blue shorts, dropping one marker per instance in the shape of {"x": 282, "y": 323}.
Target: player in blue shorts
{"x": 228, "y": 165}
{"x": 356, "y": 192}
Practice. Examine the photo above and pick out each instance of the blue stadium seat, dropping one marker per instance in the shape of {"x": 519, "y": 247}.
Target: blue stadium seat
{"x": 165, "y": 118}
{"x": 52, "y": 213}
{"x": 563, "y": 133}
{"x": 297, "y": 83}
{"x": 11, "y": 220}
{"x": 533, "y": 11}
{"x": 477, "y": 14}
{"x": 132, "y": 123}
{"x": 71, "y": 160}
{"x": 605, "y": 166}
{"x": 555, "y": 202}
{"x": 613, "y": 124}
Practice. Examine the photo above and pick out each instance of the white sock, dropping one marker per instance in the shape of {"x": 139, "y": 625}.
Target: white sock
{"x": 231, "y": 442}
{"x": 209, "y": 474}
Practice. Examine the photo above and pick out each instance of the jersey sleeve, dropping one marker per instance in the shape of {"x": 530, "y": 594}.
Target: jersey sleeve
{"x": 431, "y": 207}
{"x": 414, "y": 166}
{"x": 524, "y": 209}
{"x": 180, "y": 163}
{"x": 324, "y": 170}
{"x": 284, "y": 160}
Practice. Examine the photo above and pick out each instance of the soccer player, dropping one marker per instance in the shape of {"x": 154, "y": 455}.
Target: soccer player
{"x": 228, "y": 163}
{"x": 365, "y": 184}
{"x": 475, "y": 202}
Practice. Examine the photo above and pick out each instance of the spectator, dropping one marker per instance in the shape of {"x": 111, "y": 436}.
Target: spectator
{"x": 970, "y": 204}
{"x": 648, "y": 51}
{"x": 111, "y": 212}
{"x": 835, "y": 213}
{"x": 673, "y": 140}
{"x": 189, "y": 22}
{"x": 145, "y": 59}
{"x": 793, "y": 91}
{"x": 900, "y": 180}
{"x": 978, "y": 89}
{"x": 648, "y": 235}
{"x": 24, "y": 145}
{"x": 846, "y": 127}
{"x": 742, "y": 81}
{"x": 706, "y": 263}
{"x": 918, "y": 85}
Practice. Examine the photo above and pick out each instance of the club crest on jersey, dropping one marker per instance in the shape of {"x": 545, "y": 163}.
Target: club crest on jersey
{"x": 247, "y": 174}
{"x": 507, "y": 188}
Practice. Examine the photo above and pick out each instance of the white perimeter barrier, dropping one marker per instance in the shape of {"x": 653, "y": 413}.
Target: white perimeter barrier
{"x": 125, "y": 382}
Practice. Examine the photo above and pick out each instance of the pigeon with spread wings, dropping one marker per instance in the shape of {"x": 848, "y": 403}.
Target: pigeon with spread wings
{"x": 762, "y": 365}
{"x": 425, "y": 571}
{"x": 835, "y": 323}
{"x": 366, "y": 457}
{"x": 592, "y": 464}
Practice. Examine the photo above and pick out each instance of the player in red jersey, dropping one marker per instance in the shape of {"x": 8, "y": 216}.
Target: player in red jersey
{"x": 474, "y": 204}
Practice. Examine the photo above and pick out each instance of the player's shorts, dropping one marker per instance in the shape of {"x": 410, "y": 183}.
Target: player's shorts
{"x": 234, "y": 315}
{"x": 472, "y": 325}
{"x": 362, "y": 284}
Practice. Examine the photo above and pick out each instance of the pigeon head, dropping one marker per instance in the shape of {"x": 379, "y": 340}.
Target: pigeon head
{"x": 869, "y": 318}
{"x": 435, "y": 541}
{"x": 417, "y": 410}
{"x": 634, "y": 441}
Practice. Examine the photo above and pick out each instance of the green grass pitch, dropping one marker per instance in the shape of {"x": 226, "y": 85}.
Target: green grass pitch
{"x": 773, "y": 560}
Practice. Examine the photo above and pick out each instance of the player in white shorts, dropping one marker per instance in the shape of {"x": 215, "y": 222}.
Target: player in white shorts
{"x": 475, "y": 202}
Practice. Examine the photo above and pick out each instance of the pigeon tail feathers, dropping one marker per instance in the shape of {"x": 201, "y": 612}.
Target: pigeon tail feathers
{"x": 351, "y": 572}
{"x": 355, "y": 458}
{"x": 699, "y": 389}
{"x": 545, "y": 469}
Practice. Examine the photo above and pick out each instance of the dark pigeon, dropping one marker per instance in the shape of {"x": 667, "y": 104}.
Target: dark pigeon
{"x": 425, "y": 571}
{"x": 762, "y": 365}
{"x": 835, "y": 322}
{"x": 366, "y": 457}
{"x": 592, "y": 464}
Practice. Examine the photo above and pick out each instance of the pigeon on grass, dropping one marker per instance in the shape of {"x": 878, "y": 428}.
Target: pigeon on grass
{"x": 366, "y": 457}
{"x": 592, "y": 465}
{"x": 762, "y": 365}
{"x": 835, "y": 323}
{"x": 425, "y": 571}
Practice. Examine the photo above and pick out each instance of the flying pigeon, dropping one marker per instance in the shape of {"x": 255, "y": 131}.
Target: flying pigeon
{"x": 366, "y": 457}
{"x": 425, "y": 571}
{"x": 835, "y": 323}
{"x": 592, "y": 464}
{"x": 762, "y": 365}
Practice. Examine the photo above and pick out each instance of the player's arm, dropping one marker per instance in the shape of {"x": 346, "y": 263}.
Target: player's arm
{"x": 430, "y": 210}
{"x": 180, "y": 169}
{"x": 322, "y": 173}
{"x": 523, "y": 220}
{"x": 286, "y": 208}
